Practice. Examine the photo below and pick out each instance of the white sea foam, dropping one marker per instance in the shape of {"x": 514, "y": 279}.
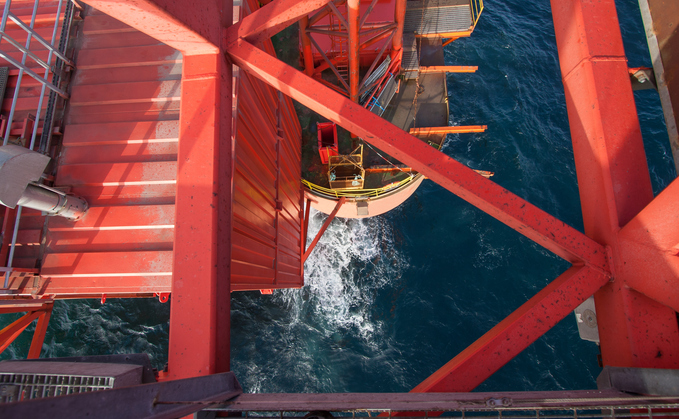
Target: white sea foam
{"x": 353, "y": 259}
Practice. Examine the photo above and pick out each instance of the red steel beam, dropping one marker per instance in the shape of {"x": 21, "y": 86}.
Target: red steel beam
{"x": 271, "y": 19}
{"x": 634, "y": 330}
{"x": 22, "y": 305}
{"x": 199, "y": 316}
{"x": 11, "y": 331}
{"x": 651, "y": 242}
{"x": 615, "y": 186}
{"x": 39, "y": 334}
{"x": 364, "y": 45}
{"x": 609, "y": 153}
{"x": 6, "y": 231}
{"x": 486, "y": 195}
{"x": 353, "y": 17}
{"x": 657, "y": 225}
{"x": 194, "y": 28}
{"x": 399, "y": 18}
{"x": 323, "y": 228}
{"x": 649, "y": 245}
{"x": 655, "y": 272}
{"x": 307, "y": 54}
{"x": 516, "y": 332}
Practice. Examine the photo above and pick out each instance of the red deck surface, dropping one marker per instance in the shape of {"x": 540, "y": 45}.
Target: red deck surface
{"x": 119, "y": 152}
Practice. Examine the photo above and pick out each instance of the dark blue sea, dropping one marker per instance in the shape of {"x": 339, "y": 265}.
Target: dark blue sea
{"x": 390, "y": 299}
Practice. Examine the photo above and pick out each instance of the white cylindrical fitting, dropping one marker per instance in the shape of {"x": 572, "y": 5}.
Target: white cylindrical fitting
{"x": 53, "y": 203}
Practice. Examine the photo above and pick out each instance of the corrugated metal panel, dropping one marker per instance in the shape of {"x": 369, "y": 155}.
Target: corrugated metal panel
{"x": 119, "y": 152}
{"x": 267, "y": 210}
{"x": 437, "y": 16}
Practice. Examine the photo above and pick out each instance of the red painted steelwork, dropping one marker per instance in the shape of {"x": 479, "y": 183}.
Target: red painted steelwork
{"x": 353, "y": 16}
{"x": 105, "y": 253}
{"x": 534, "y": 223}
{"x": 652, "y": 239}
{"x": 364, "y": 45}
{"x": 325, "y": 226}
{"x": 399, "y": 18}
{"x": 327, "y": 140}
{"x": 8, "y": 221}
{"x": 267, "y": 229}
{"x": 306, "y": 47}
{"x": 200, "y": 310}
{"x": 615, "y": 186}
{"x": 272, "y": 18}
{"x": 14, "y": 329}
{"x": 39, "y": 334}
{"x": 183, "y": 26}
{"x": 516, "y": 332}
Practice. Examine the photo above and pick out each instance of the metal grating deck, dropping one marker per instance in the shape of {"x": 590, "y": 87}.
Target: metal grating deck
{"x": 431, "y": 17}
{"x": 410, "y": 62}
{"x": 16, "y": 386}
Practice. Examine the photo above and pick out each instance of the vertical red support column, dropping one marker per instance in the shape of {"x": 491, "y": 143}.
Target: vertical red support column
{"x": 199, "y": 318}
{"x": 613, "y": 177}
{"x": 399, "y": 18}
{"x": 353, "y": 18}
{"x": 306, "y": 47}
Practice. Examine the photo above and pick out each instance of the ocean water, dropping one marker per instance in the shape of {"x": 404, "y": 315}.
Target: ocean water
{"x": 390, "y": 299}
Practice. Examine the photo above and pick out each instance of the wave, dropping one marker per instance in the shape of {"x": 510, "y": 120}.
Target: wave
{"x": 313, "y": 333}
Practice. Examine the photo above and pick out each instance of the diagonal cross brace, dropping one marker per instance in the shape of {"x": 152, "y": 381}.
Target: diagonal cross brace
{"x": 484, "y": 194}
{"x": 516, "y": 332}
{"x": 269, "y": 20}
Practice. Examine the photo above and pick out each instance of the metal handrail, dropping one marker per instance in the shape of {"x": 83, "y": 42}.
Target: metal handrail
{"x": 476, "y": 8}
{"x": 23, "y": 68}
{"x": 357, "y": 193}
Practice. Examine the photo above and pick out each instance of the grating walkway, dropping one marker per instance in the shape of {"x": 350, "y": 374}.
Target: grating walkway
{"x": 430, "y": 17}
{"x": 119, "y": 152}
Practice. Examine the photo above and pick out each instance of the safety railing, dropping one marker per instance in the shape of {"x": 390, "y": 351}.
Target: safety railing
{"x": 357, "y": 193}
{"x": 55, "y": 64}
{"x": 476, "y": 9}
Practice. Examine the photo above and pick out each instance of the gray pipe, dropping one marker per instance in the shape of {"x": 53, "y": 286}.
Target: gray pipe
{"x": 53, "y": 203}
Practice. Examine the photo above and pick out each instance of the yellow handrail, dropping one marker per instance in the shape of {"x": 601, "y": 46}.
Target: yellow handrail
{"x": 477, "y": 8}
{"x": 357, "y": 193}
